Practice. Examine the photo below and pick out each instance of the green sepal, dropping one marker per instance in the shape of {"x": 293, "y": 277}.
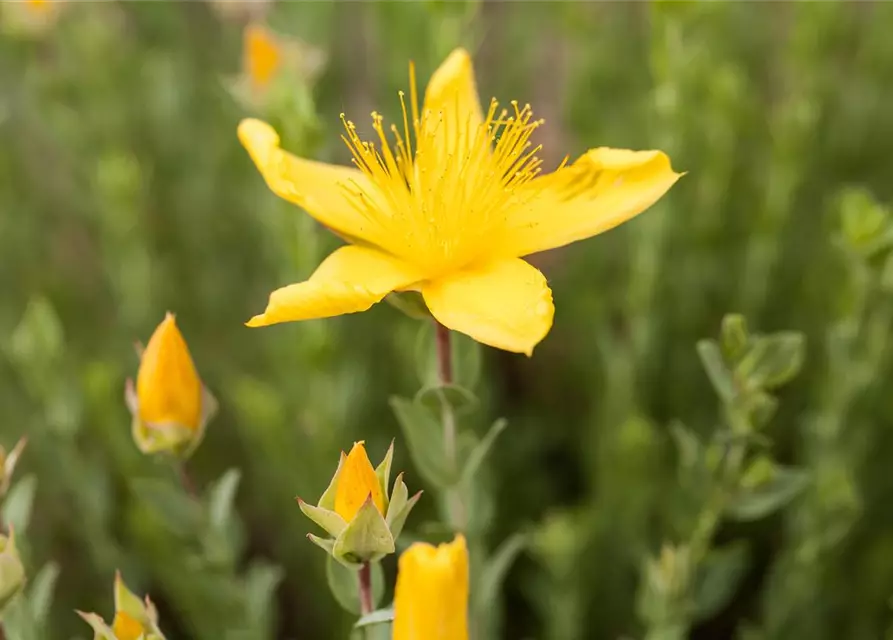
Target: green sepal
{"x": 101, "y": 630}
{"x": 129, "y": 603}
{"x": 333, "y": 523}
{"x": 398, "y": 499}
{"x": 326, "y": 544}
{"x": 12, "y": 571}
{"x": 399, "y": 520}
{"x": 366, "y": 538}
{"x": 327, "y": 499}
{"x": 169, "y": 437}
{"x": 383, "y": 472}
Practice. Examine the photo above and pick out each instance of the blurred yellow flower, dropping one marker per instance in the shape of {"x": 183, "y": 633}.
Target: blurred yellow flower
{"x": 135, "y": 619}
{"x": 431, "y": 597}
{"x": 170, "y": 406}
{"x": 29, "y": 17}
{"x": 167, "y": 385}
{"x": 449, "y": 210}
{"x": 261, "y": 55}
{"x": 356, "y": 484}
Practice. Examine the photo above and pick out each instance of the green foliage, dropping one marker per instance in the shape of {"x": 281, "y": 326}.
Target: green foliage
{"x": 124, "y": 194}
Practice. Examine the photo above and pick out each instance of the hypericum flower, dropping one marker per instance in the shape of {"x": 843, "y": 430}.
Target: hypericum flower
{"x": 431, "y": 598}
{"x": 449, "y": 210}
{"x": 135, "y": 619}
{"x": 356, "y": 511}
{"x": 170, "y": 406}
{"x": 12, "y": 572}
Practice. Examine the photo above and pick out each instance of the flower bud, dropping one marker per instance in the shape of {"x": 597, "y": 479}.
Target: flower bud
{"x": 29, "y": 18}
{"x": 170, "y": 406}
{"x": 12, "y": 572}
{"x": 135, "y": 619}
{"x": 356, "y": 511}
{"x": 431, "y": 597}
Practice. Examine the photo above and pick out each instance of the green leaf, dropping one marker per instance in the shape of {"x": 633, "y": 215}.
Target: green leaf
{"x": 460, "y": 399}
{"x": 380, "y": 616}
{"x": 181, "y": 514}
{"x": 480, "y": 451}
{"x": 733, "y": 336}
{"x": 221, "y": 498}
{"x": 261, "y": 581}
{"x": 718, "y": 578}
{"x": 424, "y": 439}
{"x": 778, "y": 487}
{"x": 40, "y": 595}
{"x": 344, "y": 583}
{"x": 411, "y": 303}
{"x": 37, "y": 340}
{"x": 773, "y": 360}
{"x": 19, "y": 503}
{"x": 717, "y": 371}
{"x": 367, "y": 538}
{"x": 497, "y": 567}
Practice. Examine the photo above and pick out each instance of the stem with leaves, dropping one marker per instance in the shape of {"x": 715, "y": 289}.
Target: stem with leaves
{"x": 456, "y": 506}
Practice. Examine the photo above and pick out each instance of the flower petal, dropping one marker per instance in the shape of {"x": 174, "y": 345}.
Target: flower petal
{"x": 351, "y": 279}
{"x": 602, "y": 189}
{"x": 323, "y": 190}
{"x": 505, "y": 304}
{"x": 453, "y": 103}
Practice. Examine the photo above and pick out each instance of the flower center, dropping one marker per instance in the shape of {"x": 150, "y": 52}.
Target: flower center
{"x": 441, "y": 204}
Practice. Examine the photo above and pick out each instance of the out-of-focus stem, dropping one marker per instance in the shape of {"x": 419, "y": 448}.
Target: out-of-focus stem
{"x": 448, "y": 419}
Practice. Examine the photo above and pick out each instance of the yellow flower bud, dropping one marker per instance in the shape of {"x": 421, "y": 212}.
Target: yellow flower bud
{"x": 431, "y": 598}
{"x": 167, "y": 386}
{"x": 261, "y": 55}
{"x": 135, "y": 619}
{"x": 170, "y": 406}
{"x": 356, "y": 483}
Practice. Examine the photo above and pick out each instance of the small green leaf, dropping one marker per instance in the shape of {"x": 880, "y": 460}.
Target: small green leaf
{"x": 18, "y": 504}
{"x": 688, "y": 446}
{"x": 383, "y": 473}
{"x": 182, "y": 515}
{"x": 497, "y": 567}
{"x": 717, "y": 371}
{"x": 411, "y": 303}
{"x": 460, "y": 399}
{"x": 380, "y": 616}
{"x": 344, "y": 582}
{"x": 480, "y": 451}
{"x": 327, "y": 500}
{"x": 367, "y": 538}
{"x": 733, "y": 336}
{"x": 718, "y": 578}
{"x": 37, "y": 340}
{"x": 773, "y": 360}
{"x": 40, "y": 595}
{"x": 399, "y": 520}
{"x": 261, "y": 580}
{"x": 398, "y": 499}
{"x": 774, "y": 492}
{"x": 424, "y": 439}
{"x": 221, "y": 498}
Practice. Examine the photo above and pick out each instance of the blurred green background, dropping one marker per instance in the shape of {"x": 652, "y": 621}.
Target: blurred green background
{"x": 124, "y": 194}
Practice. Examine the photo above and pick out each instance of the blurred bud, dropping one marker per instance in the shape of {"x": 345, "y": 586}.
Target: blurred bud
{"x": 270, "y": 59}
{"x": 135, "y": 619}
{"x": 8, "y": 463}
{"x": 170, "y": 406}
{"x": 431, "y": 597}
{"x": 356, "y": 511}
{"x": 29, "y": 18}
{"x": 12, "y": 572}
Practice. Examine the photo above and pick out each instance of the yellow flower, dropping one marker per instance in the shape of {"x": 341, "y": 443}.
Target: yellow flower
{"x": 431, "y": 598}
{"x": 167, "y": 385}
{"x": 356, "y": 484}
{"x": 449, "y": 209}
{"x": 170, "y": 406}
{"x": 29, "y": 17}
{"x": 134, "y": 618}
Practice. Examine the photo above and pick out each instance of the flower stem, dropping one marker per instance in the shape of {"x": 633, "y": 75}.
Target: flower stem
{"x": 366, "y": 604}
{"x": 185, "y": 479}
{"x": 448, "y": 419}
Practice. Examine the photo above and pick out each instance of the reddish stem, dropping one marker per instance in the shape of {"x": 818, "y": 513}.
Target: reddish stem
{"x": 366, "y": 604}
